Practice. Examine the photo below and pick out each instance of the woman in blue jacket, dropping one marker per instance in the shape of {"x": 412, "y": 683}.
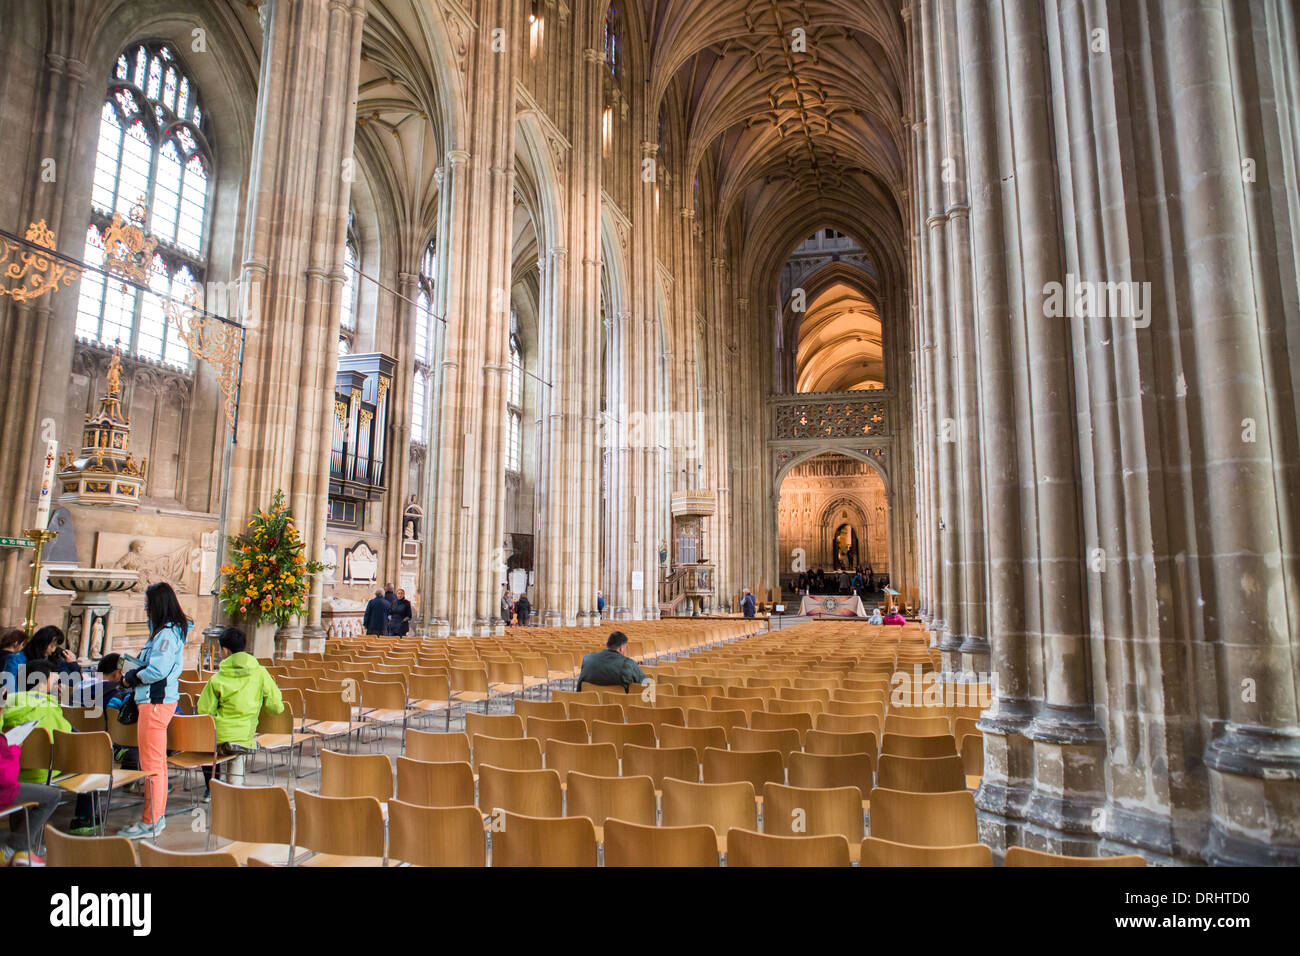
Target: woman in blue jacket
{"x": 156, "y": 694}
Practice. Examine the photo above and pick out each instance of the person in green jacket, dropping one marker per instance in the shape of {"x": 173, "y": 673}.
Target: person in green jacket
{"x": 235, "y": 696}
{"x": 36, "y": 704}
{"x": 611, "y": 666}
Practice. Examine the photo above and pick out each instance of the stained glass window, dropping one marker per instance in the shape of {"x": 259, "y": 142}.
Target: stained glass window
{"x": 424, "y": 320}
{"x": 611, "y": 39}
{"x": 514, "y": 406}
{"x": 152, "y": 153}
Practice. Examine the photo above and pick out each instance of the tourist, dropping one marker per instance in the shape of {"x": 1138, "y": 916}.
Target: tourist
{"x": 747, "y": 603}
{"x": 235, "y": 696}
{"x": 18, "y": 850}
{"x": 875, "y": 616}
{"x": 11, "y": 650}
{"x": 156, "y": 695}
{"x": 600, "y": 603}
{"x": 893, "y": 617}
{"x": 507, "y": 607}
{"x": 47, "y": 644}
{"x": 523, "y": 609}
{"x": 399, "y": 616}
{"x": 35, "y": 702}
{"x": 611, "y": 667}
{"x": 104, "y": 688}
{"x": 389, "y": 596}
{"x": 375, "y": 619}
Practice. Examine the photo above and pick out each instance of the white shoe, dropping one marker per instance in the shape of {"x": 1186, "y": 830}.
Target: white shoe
{"x": 140, "y": 830}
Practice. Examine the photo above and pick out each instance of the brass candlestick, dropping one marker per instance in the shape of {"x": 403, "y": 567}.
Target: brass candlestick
{"x": 39, "y": 539}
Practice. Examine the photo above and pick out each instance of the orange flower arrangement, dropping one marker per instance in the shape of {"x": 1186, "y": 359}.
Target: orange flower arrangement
{"x": 267, "y": 578}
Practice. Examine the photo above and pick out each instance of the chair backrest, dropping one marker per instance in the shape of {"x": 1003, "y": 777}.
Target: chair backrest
{"x": 632, "y": 844}
{"x": 807, "y": 811}
{"x": 746, "y": 847}
{"x": 656, "y": 716}
{"x": 757, "y": 767}
{"x": 940, "y": 745}
{"x": 844, "y": 724}
{"x": 356, "y": 775}
{"x": 545, "y": 729}
{"x": 468, "y": 678}
{"x": 781, "y": 706}
{"x": 620, "y": 735}
{"x": 657, "y": 763}
{"x": 921, "y": 774}
{"x": 429, "y": 687}
{"x": 347, "y": 826}
{"x": 830, "y": 742}
{"x": 878, "y": 852}
{"x": 79, "y": 753}
{"x": 329, "y": 705}
{"x": 849, "y": 708}
{"x": 509, "y": 753}
{"x": 151, "y": 855}
{"x": 436, "y": 747}
{"x": 918, "y": 726}
{"x": 568, "y": 697}
{"x": 783, "y": 742}
{"x": 600, "y": 797}
{"x": 701, "y": 738}
{"x": 429, "y": 784}
{"x": 589, "y": 712}
{"x": 600, "y": 760}
{"x": 251, "y": 814}
{"x": 34, "y": 754}
{"x": 1022, "y": 856}
{"x": 384, "y": 695}
{"x": 821, "y": 771}
{"x": 804, "y": 693}
{"x": 547, "y": 709}
{"x": 719, "y": 805}
{"x": 767, "y": 720}
{"x": 923, "y": 819}
{"x": 539, "y": 841}
{"x": 281, "y": 723}
{"x": 531, "y": 792}
{"x": 85, "y": 719}
{"x": 499, "y": 725}
{"x": 726, "y": 719}
{"x": 972, "y": 754}
{"x": 62, "y": 849}
{"x": 436, "y": 835}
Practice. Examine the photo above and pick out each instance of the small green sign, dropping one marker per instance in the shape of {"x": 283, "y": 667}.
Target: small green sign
{"x": 16, "y": 543}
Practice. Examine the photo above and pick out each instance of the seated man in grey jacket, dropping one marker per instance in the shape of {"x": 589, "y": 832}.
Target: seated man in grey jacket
{"x": 611, "y": 667}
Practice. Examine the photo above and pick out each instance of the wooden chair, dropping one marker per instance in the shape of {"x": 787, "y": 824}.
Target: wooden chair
{"x": 656, "y": 716}
{"x": 830, "y": 742}
{"x": 357, "y": 775}
{"x": 567, "y": 697}
{"x": 545, "y": 709}
{"x": 747, "y": 705}
{"x": 972, "y": 759}
{"x": 901, "y": 745}
{"x": 339, "y": 831}
{"x": 701, "y": 738}
{"x": 437, "y": 747}
{"x": 598, "y": 760}
{"x": 509, "y": 753}
{"x": 506, "y": 677}
{"x": 633, "y": 844}
{"x": 37, "y": 752}
{"x": 923, "y": 819}
{"x": 620, "y": 735}
{"x": 877, "y": 852}
{"x": 543, "y": 841}
{"x": 467, "y": 685}
{"x": 766, "y": 720}
{"x": 85, "y": 764}
{"x": 276, "y": 734}
{"x": 917, "y": 726}
{"x": 428, "y": 784}
{"x": 719, "y": 805}
{"x": 424, "y": 835}
{"x": 62, "y": 849}
{"x": 151, "y": 855}
{"x": 840, "y": 724}
{"x": 728, "y": 720}
{"x": 805, "y": 811}
{"x": 256, "y": 820}
{"x": 658, "y": 763}
{"x": 921, "y": 774}
{"x": 328, "y": 714}
{"x": 747, "y": 847}
{"x": 783, "y": 742}
{"x": 781, "y": 706}
{"x": 823, "y": 771}
{"x": 192, "y": 744}
{"x": 501, "y": 725}
{"x": 383, "y": 703}
{"x": 85, "y": 719}
{"x": 599, "y": 798}
{"x": 756, "y": 767}
{"x": 589, "y": 712}
{"x": 530, "y": 792}
{"x": 428, "y": 694}
{"x": 544, "y": 730}
{"x": 1022, "y": 856}
{"x": 822, "y": 695}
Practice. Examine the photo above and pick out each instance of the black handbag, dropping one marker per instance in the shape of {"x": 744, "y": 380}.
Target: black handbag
{"x": 129, "y": 712}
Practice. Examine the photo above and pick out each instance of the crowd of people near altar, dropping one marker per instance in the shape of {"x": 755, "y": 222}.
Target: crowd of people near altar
{"x": 859, "y": 581}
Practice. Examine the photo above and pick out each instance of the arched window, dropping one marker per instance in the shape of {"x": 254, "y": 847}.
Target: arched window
{"x": 348, "y": 307}
{"x": 514, "y": 404}
{"x": 423, "y": 348}
{"x": 611, "y": 40}
{"x": 152, "y": 160}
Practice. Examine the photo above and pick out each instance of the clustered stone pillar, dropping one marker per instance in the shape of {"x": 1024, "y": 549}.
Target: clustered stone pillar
{"x": 1123, "y": 310}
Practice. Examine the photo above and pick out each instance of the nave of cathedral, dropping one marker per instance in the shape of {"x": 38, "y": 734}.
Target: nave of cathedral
{"x": 702, "y": 319}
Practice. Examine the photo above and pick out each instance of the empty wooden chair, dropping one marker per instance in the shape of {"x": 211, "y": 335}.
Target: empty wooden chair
{"x": 548, "y": 709}
{"x": 719, "y": 805}
{"x": 620, "y": 735}
{"x": 601, "y": 797}
{"x": 356, "y": 775}
{"x": 902, "y": 745}
{"x": 256, "y": 820}
{"x": 509, "y": 753}
{"x": 781, "y": 706}
{"x": 589, "y": 712}
{"x": 501, "y": 725}
{"x": 61, "y": 849}
{"x": 783, "y": 742}
{"x": 427, "y": 784}
{"x": 918, "y": 725}
{"x": 191, "y": 743}
{"x": 749, "y": 848}
{"x": 151, "y": 855}
{"x": 437, "y": 747}
{"x": 632, "y": 844}
{"x": 822, "y": 771}
{"x": 534, "y": 793}
{"x": 468, "y": 684}
{"x": 877, "y": 852}
{"x": 830, "y": 742}
{"x": 814, "y": 811}
{"x": 701, "y": 738}
{"x": 600, "y": 760}
{"x": 921, "y": 774}
{"x": 436, "y": 835}
{"x": 568, "y": 697}
{"x": 757, "y": 767}
{"x": 522, "y": 840}
{"x": 840, "y": 724}
{"x": 658, "y": 763}
{"x": 84, "y": 762}
{"x": 972, "y": 759}
{"x": 1022, "y": 856}
{"x": 923, "y": 819}
{"x": 728, "y": 720}
{"x": 544, "y": 730}
{"x": 801, "y": 722}
{"x": 428, "y": 694}
{"x": 339, "y": 831}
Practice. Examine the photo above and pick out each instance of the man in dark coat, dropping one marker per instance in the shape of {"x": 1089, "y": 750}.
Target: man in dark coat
{"x": 747, "y": 603}
{"x": 375, "y": 620}
{"x": 523, "y": 609}
{"x": 399, "y": 615}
